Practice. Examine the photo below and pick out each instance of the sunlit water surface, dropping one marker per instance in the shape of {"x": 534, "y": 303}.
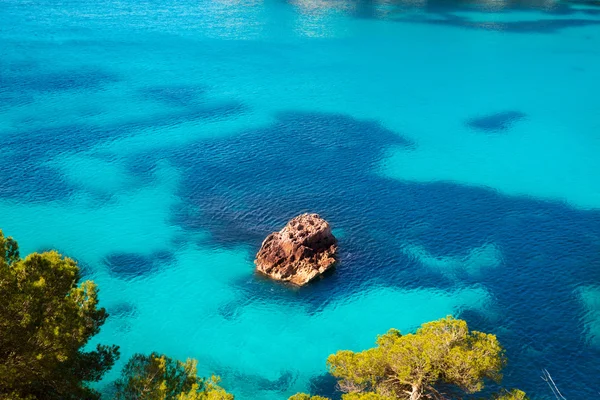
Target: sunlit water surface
{"x": 454, "y": 148}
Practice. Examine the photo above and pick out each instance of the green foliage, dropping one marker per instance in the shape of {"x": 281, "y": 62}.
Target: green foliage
{"x": 158, "y": 377}
{"x": 366, "y": 396}
{"x": 413, "y": 366}
{"x": 347, "y": 396}
{"x": 304, "y": 396}
{"x": 514, "y": 394}
{"x": 46, "y": 318}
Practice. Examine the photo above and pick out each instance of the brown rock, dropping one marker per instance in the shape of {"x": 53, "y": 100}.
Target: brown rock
{"x": 304, "y": 249}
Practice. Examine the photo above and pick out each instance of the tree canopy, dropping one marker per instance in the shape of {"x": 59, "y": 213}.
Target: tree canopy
{"x": 442, "y": 353}
{"x": 514, "y": 394}
{"x": 46, "y": 318}
{"x": 158, "y": 377}
{"x": 347, "y": 396}
{"x": 304, "y": 396}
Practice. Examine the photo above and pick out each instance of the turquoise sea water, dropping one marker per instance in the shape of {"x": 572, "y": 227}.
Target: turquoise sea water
{"x": 454, "y": 147}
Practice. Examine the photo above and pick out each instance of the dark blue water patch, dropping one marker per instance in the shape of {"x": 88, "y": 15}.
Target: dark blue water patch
{"x": 10, "y": 99}
{"x": 592, "y": 3}
{"x": 295, "y": 163}
{"x": 442, "y": 12}
{"x": 545, "y": 26}
{"x": 230, "y": 311}
{"x": 85, "y": 270}
{"x": 281, "y": 384}
{"x": 122, "y": 310}
{"x": 242, "y": 188}
{"x": 48, "y": 141}
{"x": 260, "y": 383}
{"x": 177, "y": 95}
{"x": 28, "y": 181}
{"x": 324, "y": 385}
{"x": 497, "y": 122}
{"x": 26, "y": 177}
{"x": 132, "y": 265}
{"x": 554, "y": 8}
{"x": 84, "y": 78}
{"x": 374, "y": 9}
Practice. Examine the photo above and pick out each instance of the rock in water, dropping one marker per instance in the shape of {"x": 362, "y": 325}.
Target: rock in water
{"x": 304, "y": 249}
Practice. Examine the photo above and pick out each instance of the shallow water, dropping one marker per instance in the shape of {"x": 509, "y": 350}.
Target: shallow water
{"x": 454, "y": 148}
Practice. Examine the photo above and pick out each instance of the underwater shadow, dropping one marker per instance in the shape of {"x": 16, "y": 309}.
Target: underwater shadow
{"x": 175, "y": 95}
{"x": 132, "y": 265}
{"x": 28, "y": 78}
{"x": 545, "y": 26}
{"x": 497, "y": 122}
{"x": 243, "y": 187}
{"x": 443, "y": 12}
{"x": 25, "y": 174}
